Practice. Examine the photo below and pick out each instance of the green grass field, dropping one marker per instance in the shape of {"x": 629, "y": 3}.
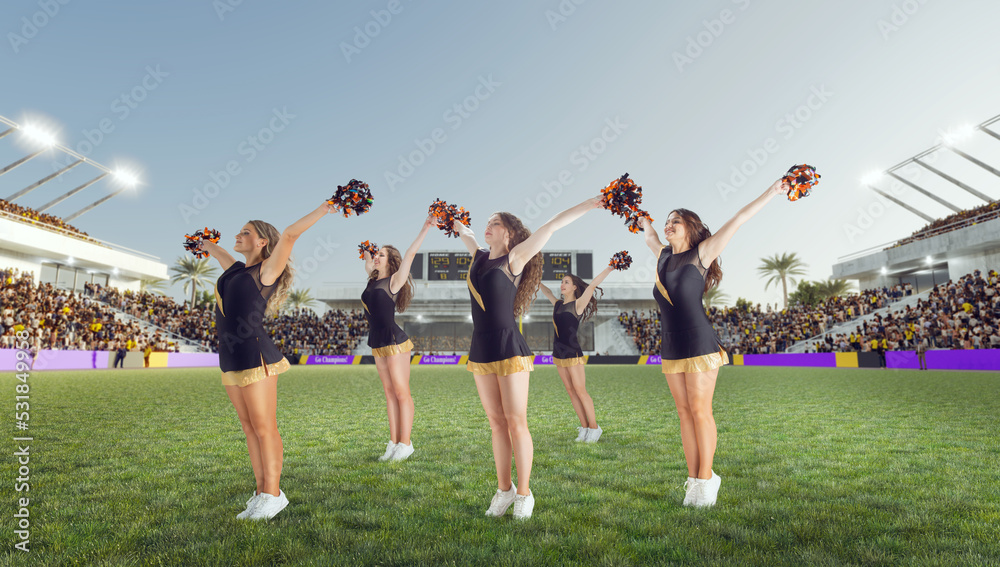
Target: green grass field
{"x": 819, "y": 467}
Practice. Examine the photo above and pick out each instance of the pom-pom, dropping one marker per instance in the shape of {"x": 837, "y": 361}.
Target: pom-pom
{"x": 354, "y": 197}
{"x": 802, "y": 178}
{"x": 621, "y": 260}
{"x": 192, "y": 242}
{"x": 447, "y": 214}
{"x": 369, "y": 247}
{"x": 622, "y": 197}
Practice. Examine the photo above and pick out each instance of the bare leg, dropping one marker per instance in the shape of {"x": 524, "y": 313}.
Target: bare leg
{"x": 489, "y": 395}
{"x": 399, "y": 373}
{"x": 573, "y": 397}
{"x": 514, "y": 395}
{"x": 678, "y": 389}
{"x": 391, "y": 402}
{"x": 253, "y": 445}
{"x": 262, "y": 404}
{"x": 579, "y": 377}
{"x": 700, "y": 389}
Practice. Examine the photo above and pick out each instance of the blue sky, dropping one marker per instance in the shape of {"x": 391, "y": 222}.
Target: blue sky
{"x": 297, "y": 97}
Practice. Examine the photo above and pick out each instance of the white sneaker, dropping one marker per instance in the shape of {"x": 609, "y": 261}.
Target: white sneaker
{"x": 689, "y": 492}
{"x": 250, "y": 505}
{"x": 708, "y": 491}
{"x": 523, "y": 505}
{"x": 583, "y": 433}
{"x": 403, "y": 452}
{"x": 501, "y": 501}
{"x": 390, "y": 447}
{"x": 268, "y": 506}
{"x": 594, "y": 434}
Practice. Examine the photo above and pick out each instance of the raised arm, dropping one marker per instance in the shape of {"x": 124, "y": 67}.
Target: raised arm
{"x": 219, "y": 253}
{"x": 712, "y": 247}
{"x": 399, "y": 278}
{"x": 584, "y": 299}
{"x": 652, "y": 239}
{"x": 468, "y": 237}
{"x": 273, "y": 265}
{"x": 369, "y": 262}
{"x": 523, "y": 252}
{"x": 548, "y": 292}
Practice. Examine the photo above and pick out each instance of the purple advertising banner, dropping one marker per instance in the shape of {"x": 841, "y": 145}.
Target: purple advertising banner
{"x": 440, "y": 359}
{"x": 8, "y": 359}
{"x": 902, "y": 360}
{"x": 543, "y": 359}
{"x": 654, "y": 359}
{"x": 70, "y": 360}
{"x": 330, "y": 359}
{"x": 813, "y": 359}
{"x": 987, "y": 359}
{"x": 192, "y": 359}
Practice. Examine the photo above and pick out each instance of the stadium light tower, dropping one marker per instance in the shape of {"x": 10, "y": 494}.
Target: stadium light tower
{"x": 954, "y": 137}
{"x": 127, "y": 180}
{"x": 37, "y": 137}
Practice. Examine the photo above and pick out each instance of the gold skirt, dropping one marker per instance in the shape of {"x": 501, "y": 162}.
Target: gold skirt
{"x": 393, "y": 349}
{"x": 244, "y": 378}
{"x": 702, "y": 363}
{"x": 502, "y": 367}
{"x": 567, "y": 362}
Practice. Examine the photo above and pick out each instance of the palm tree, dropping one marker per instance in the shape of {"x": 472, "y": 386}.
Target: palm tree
{"x": 194, "y": 272}
{"x": 298, "y": 298}
{"x": 834, "y": 287}
{"x": 152, "y": 286}
{"x": 714, "y": 296}
{"x": 781, "y": 268}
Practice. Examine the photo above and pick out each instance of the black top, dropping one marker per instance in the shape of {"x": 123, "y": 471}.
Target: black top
{"x": 685, "y": 330}
{"x": 567, "y": 322}
{"x": 492, "y": 288}
{"x": 380, "y": 310}
{"x": 243, "y": 342}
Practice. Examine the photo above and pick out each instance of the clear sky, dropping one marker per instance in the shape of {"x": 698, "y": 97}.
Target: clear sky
{"x": 488, "y": 104}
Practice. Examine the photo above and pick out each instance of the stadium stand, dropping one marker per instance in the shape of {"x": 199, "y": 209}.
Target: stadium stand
{"x": 41, "y": 220}
{"x": 956, "y": 221}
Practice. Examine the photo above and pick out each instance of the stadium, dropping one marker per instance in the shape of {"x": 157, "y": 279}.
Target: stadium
{"x": 855, "y": 414}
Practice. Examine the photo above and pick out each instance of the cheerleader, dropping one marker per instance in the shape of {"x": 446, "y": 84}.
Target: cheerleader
{"x": 503, "y": 282}
{"x": 390, "y": 289}
{"x": 250, "y": 363}
{"x": 689, "y": 347}
{"x": 575, "y": 307}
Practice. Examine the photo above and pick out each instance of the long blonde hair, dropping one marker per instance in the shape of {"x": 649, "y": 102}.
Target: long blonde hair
{"x": 532, "y": 273}
{"x": 284, "y": 283}
{"x": 393, "y": 260}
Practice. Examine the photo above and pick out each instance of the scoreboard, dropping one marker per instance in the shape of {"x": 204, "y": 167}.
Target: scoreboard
{"x": 454, "y": 266}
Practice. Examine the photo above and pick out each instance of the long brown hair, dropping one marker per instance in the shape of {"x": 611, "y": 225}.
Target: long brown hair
{"x": 591, "y": 309}
{"x": 532, "y": 273}
{"x": 698, "y": 231}
{"x": 284, "y": 283}
{"x": 393, "y": 260}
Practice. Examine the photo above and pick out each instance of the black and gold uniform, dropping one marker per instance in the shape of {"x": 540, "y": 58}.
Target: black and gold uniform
{"x": 497, "y": 345}
{"x": 689, "y": 343}
{"x": 384, "y": 336}
{"x": 246, "y": 352}
{"x": 566, "y": 349}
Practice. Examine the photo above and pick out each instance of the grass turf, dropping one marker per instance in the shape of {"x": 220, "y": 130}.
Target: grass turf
{"x": 819, "y": 467}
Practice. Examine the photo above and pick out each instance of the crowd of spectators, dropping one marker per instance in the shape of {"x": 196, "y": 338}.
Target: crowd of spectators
{"x": 34, "y": 217}
{"x": 956, "y": 221}
{"x": 958, "y": 315}
{"x": 60, "y": 319}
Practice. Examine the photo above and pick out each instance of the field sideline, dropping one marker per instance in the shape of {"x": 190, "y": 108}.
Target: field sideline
{"x": 819, "y": 467}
